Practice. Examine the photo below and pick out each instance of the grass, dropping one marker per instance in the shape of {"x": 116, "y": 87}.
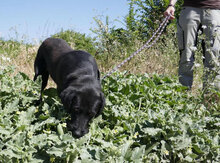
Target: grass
{"x": 18, "y": 55}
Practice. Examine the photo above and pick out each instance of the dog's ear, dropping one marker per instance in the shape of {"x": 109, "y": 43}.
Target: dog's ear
{"x": 102, "y": 104}
{"x": 69, "y": 98}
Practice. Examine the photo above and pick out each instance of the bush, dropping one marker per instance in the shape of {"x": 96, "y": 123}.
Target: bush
{"x": 78, "y": 41}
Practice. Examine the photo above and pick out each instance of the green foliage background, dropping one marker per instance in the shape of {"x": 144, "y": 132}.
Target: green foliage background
{"x": 146, "y": 119}
{"x": 144, "y": 15}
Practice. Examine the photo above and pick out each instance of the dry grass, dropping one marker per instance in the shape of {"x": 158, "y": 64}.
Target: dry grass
{"x": 149, "y": 61}
{"x": 23, "y": 61}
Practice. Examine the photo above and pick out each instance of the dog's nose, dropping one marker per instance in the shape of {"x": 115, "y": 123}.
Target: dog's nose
{"x": 79, "y": 133}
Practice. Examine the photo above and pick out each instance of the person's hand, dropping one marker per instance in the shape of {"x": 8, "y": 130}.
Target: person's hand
{"x": 170, "y": 11}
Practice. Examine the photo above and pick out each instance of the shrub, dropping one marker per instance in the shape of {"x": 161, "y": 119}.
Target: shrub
{"x": 78, "y": 41}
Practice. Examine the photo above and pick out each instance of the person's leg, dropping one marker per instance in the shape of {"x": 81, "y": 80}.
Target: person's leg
{"x": 211, "y": 24}
{"x": 187, "y": 32}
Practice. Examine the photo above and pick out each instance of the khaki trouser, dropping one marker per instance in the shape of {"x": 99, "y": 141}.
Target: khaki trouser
{"x": 192, "y": 20}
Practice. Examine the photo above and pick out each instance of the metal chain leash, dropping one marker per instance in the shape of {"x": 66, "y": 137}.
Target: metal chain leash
{"x": 156, "y": 34}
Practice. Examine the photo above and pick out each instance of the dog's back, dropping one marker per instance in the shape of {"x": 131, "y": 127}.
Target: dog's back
{"x": 57, "y": 59}
{"x": 49, "y": 53}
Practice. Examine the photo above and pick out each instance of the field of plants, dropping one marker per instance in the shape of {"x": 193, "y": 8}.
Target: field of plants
{"x": 148, "y": 117}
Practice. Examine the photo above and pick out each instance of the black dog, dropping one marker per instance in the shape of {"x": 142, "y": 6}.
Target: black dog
{"x": 78, "y": 81}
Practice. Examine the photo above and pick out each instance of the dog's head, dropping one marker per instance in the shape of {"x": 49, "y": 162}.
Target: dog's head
{"x": 83, "y": 105}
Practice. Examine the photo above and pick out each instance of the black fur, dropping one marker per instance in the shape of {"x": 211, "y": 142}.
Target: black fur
{"x": 78, "y": 81}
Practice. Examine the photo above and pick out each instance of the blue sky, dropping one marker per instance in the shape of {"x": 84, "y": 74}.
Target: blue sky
{"x": 34, "y": 20}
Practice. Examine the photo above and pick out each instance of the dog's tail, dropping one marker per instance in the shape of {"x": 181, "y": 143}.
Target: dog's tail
{"x": 39, "y": 63}
{"x": 40, "y": 68}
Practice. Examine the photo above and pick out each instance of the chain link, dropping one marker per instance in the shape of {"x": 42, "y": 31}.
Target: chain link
{"x": 156, "y": 35}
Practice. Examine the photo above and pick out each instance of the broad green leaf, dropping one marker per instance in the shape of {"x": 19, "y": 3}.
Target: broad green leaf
{"x": 57, "y": 152}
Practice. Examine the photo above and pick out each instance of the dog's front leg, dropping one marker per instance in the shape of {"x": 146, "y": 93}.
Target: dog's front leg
{"x": 45, "y": 76}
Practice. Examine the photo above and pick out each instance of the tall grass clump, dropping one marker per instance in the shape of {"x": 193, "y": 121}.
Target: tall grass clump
{"x": 117, "y": 44}
{"x": 18, "y": 54}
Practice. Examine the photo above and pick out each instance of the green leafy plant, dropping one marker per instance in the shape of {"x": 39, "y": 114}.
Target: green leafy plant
{"x": 146, "y": 119}
{"x": 144, "y": 15}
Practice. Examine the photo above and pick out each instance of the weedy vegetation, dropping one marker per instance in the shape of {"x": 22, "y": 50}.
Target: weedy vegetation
{"x": 148, "y": 117}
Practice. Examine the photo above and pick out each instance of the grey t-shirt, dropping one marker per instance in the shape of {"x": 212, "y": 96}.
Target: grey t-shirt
{"x": 212, "y": 4}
